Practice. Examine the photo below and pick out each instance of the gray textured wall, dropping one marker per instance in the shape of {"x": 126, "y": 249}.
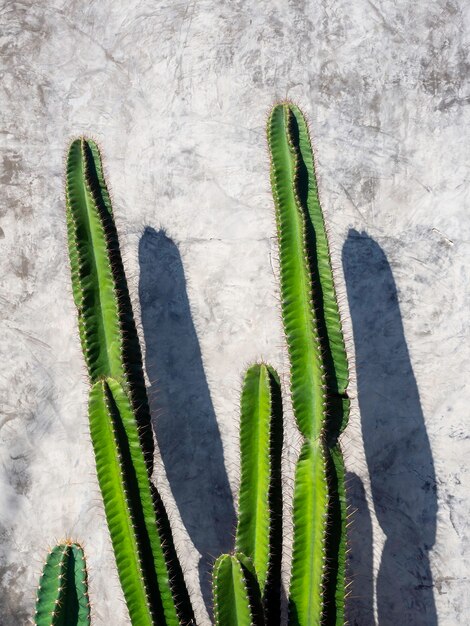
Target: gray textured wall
{"x": 177, "y": 94}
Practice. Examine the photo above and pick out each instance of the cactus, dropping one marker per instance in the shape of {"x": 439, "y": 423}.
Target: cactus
{"x": 319, "y": 374}
{"x": 318, "y": 381}
{"x": 259, "y": 528}
{"x": 62, "y": 597}
{"x": 148, "y": 568}
{"x": 237, "y": 597}
{"x": 247, "y": 584}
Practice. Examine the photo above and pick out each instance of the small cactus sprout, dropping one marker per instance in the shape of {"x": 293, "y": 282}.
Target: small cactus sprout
{"x": 259, "y": 529}
{"x": 62, "y": 597}
{"x": 237, "y": 600}
{"x": 148, "y": 568}
{"x": 319, "y": 374}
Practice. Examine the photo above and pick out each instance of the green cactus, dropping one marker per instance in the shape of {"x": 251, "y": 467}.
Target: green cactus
{"x": 237, "y": 596}
{"x": 319, "y": 374}
{"x": 148, "y": 568}
{"x": 259, "y": 528}
{"x": 319, "y": 379}
{"x": 247, "y": 583}
{"x": 258, "y": 542}
{"x": 62, "y": 596}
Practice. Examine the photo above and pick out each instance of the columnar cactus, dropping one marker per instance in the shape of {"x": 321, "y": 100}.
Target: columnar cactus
{"x": 118, "y": 408}
{"x": 319, "y": 379}
{"x": 253, "y": 572}
{"x": 246, "y": 583}
{"x": 237, "y": 598}
{"x": 259, "y": 528}
{"x": 62, "y": 596}
{"x": 319, "y": 374}
{"x": 318, "y": 382}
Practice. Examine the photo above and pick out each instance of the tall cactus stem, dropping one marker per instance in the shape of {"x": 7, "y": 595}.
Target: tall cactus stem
{"x": 319, "y": 373}
{"x": 106, "y": 323}
{"x": 324, "y": 294}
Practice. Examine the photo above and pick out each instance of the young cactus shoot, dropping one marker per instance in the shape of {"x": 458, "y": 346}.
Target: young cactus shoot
{"x": 62, "y": 596}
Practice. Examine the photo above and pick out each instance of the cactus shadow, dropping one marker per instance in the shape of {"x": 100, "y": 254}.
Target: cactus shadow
{"x": 397, "y": 449}
{"x": 183, "y": 415}
{"x": 360, "y": 604}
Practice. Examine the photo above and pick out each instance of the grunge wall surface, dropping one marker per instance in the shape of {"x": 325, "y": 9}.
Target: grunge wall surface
{"x": 177, "y": 94}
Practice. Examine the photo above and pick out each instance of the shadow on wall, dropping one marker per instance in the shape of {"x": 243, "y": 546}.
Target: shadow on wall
{"x": 360, "y": 604}
{"x": 183, "y": 415}
{"x": 397, "y": 449}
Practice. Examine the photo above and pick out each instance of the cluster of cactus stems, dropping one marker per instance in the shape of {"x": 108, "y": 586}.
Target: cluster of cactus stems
{"x": 247, "y": 582}
{"x": 62, "y": 596}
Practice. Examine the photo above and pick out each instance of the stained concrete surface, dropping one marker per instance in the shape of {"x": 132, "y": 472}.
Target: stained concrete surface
{"x": 177, "y": 95}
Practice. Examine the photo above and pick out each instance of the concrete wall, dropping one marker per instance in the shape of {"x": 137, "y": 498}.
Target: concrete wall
{"x": 177, "y": 94}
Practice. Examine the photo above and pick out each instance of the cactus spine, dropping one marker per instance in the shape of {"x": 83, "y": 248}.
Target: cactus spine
{"x": 118, "y": 408}
{"x": 319, "y": 374}
{"x": 62, "y": 597}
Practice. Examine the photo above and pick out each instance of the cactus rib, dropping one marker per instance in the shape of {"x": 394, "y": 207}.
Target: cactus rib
{"x": 62, "y": 597}
{"x": 259, "y": 531}
{"x": 336, "y": 545}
